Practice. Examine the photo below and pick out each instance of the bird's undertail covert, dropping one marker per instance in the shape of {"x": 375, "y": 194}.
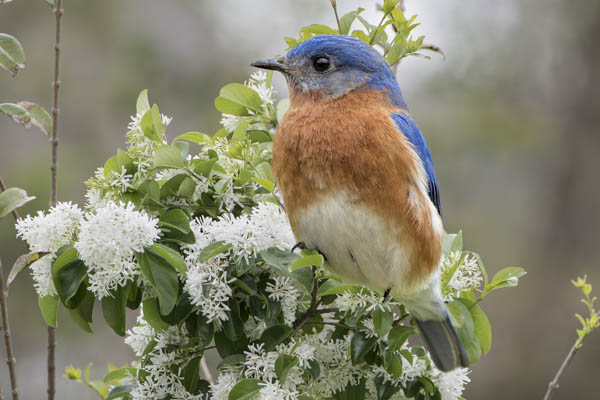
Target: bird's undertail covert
{"x": 443, "y": 343}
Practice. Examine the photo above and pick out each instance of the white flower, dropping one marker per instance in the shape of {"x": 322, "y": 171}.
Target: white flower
{"x": 140, "y": 336}
{"x": 273, "y": 391}
{"x": 284, "y": 292}
{"x": 260, "y": 364}
{"x": 467, "y": 275}
{"x": 258, "y": 82}
{"x": 225, "y": 382}
{"x": 121, "y": 180}
{"x": 364, "y": 299}
{"x": 451, "y": 384}
{"x": 108, "y": 240}
{"x": 49, "y": 232}
{"x": 208, "y": 288}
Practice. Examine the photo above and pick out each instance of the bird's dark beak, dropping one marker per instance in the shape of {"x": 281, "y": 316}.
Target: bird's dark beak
{"x": 276, "y": 64}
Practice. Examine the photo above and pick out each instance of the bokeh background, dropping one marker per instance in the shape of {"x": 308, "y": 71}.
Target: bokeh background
{"x": 511, "y": 115}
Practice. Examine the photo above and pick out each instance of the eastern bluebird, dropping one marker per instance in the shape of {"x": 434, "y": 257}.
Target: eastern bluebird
{"x": 358, "y": 182}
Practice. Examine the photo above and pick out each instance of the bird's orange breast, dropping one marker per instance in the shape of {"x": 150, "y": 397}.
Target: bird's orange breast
{"x": 351, "y": 144}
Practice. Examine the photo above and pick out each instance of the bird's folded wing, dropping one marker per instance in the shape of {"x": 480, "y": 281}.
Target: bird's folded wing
{"x": 409, "y": 128}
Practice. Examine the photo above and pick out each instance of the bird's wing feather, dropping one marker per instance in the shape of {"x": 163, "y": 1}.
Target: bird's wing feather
{"x": 409, "y": 128}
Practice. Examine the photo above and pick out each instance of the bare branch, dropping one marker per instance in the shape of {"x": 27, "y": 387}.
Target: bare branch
{"x": 10, "y": 357}
{"x": 553, "y": 385}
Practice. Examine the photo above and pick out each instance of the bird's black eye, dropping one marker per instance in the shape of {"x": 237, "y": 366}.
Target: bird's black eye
{"x": 321, "y": 64}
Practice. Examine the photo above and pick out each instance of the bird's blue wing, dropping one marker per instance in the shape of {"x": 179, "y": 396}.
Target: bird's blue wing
{"x": 409, "y": 128}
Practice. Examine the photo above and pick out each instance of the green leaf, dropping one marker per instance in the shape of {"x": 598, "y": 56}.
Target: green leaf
{"x": 49, "y": 308}
{"x": 307, "y": 261}
{"x": 149, "y": 127}
{"x": 267, "y": 184}
{"x": 142, "y": 105}
{"x": 347, "y": 20}
{"x": 463, "y": 323}
{"x": 357, "y": 392}
{"x": 38, "y": 115}
{"x": 119, "y": 392}
{"x": 382, "y": 321}
{"x": 279, "y": 259}
{"x": 68, "y": 279}
{"x": 245, "y": 389}
{"x": 482, "y": 326}
{"x": 191, "y": 374}
{"x": 239, "y": 133}
{"x": 385, "y": 389}
{"x": 257, "y": 136}
{"x": 113, "y": 309}
{"x": 17, "y": 113}
{"x": 119, "y": 374}
{"x": 452, "y": 242}
{"x": 318, "y": 29}
{"x": 238, "y": 99}
{"x": 275, "y": 335}
{"x": 204, "y": 167}
{"x": 361, "y": 35}
{"x": 398, "y": 335}
{"x": 342, "y": 289}
{"x": 173, "y": 257}
{"x": 231, "y": 360}
{"x": 12, "y": 55}
{"x": 233, "y": 327}
{"x": 163, "y": 278}
{"x": 213, "y": 250}
{"x": 11, "y": 199}
{"x": 176, "y": 219}
{"x": 152, "y": 314}
{"x": 360, "y": 346}
{"x": 283, "y": 366}
{"x": 23, "y": 262}
{"x": 79, "y": 320}
{"x": 507, "y": 277}
{"x": 150, "y": 190}
{"x": 282, "y": 108}
{"x": 168, "y": 156}
{"x": 195, "y": 137}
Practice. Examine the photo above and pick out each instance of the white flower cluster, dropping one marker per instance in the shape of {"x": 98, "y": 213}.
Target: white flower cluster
{"x": 286, "y": 293}
{"x": 108, "y": 239}
{"x": 47, "y": 232}
{"x": 207, "y": 282}
{"x": 465, "y": 274}
{"x": 167, "y": 358}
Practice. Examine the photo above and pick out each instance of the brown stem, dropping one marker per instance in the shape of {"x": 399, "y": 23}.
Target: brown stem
{"x": 58, "y": 12}
{"x": 553, "y": 385}
{"x": 332, "y": 324}
{"x": 14, "y": 212}
{"x": 10, "y": 357}
{"x": 337, "y": 18}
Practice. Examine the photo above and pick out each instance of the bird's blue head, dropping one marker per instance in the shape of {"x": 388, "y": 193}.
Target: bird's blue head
{"x": 335, "y": 65}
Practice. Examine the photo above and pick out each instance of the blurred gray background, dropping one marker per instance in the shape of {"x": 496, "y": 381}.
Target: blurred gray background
{"x": 511, "y": 116}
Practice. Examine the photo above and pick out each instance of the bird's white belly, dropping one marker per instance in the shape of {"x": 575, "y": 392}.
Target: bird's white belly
{"x": 358, "y": 244}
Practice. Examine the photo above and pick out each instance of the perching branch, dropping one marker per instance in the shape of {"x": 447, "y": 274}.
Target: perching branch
{"x": 58, "y": 12}
{"x": 553, "y": 385}
{"x": 10, "y": 357}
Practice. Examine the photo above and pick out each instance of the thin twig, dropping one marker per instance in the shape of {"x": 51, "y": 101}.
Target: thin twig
{"x": 333, "y": 324}
{"x": 58, "y": 12}
{"x": 337, "y": 18}
{"x": 206, "y": 371}
{"x": 553, "y": 385}
{"x": 10, "y": 357}
{"x": 14, "y": 212}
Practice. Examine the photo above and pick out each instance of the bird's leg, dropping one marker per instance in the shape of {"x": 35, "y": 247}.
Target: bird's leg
{"x": 386, "y": 294}
{"x": 299, "y": 245}
{"x": 303, "y": 246}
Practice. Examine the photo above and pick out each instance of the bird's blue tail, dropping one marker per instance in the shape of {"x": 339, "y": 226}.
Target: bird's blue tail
{"x": 443, "y": 344}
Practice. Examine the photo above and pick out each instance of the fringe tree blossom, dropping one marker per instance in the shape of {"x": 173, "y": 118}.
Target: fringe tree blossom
{"x": 47, "y": 232}
{"x": 460, "y": 272}
{"x": 108, "y": 239}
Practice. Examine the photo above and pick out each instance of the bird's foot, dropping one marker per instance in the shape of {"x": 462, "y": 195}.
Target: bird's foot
{"x": 386, "y": 294}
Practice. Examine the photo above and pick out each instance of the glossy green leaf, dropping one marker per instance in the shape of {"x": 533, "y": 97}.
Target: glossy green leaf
{"x": 119, "y": 392}
{"x": 275, "y": 335}
{"x": 239, "y": 133}
{"x": 347, "y": 19}
{"x": 398, "y": 335}
{"x": 382, "y": 321}
{"x": 307, "y": 261}
{"x": 113, "y": 309}
{"x": 507, "y": 277}
{"x": 11, "y": 199}
{"x": 283, "y": 366}
{"x": 38, "y": 116}
{"x": 176, "y": 219}
{"x": 195, "y": 137}
{"x": 173, "y": 257}
{"x": 279, "y": 259}
{"x": 17, "y": 113}
{"x": 148, "y": 128}
{"x": 238, "y": 99}
{"x": 119, "y": 374}
{"x": 191, "y": 374}
{"x": 152, "y": 314}
{"x": 246, "y": 389}
{"x": 360, "y": 346}
{"x": 385, "y": 388}
{"x": 23, "y": 262}
{"x": 482, "y": 326}
{"x": 318, "y": 29}
{"x": 213, "y": 250}
{"x": 163, "y": 278}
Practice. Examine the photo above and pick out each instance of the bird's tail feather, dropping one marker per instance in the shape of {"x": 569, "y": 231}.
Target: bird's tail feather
{"x": 443, "y": 343}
